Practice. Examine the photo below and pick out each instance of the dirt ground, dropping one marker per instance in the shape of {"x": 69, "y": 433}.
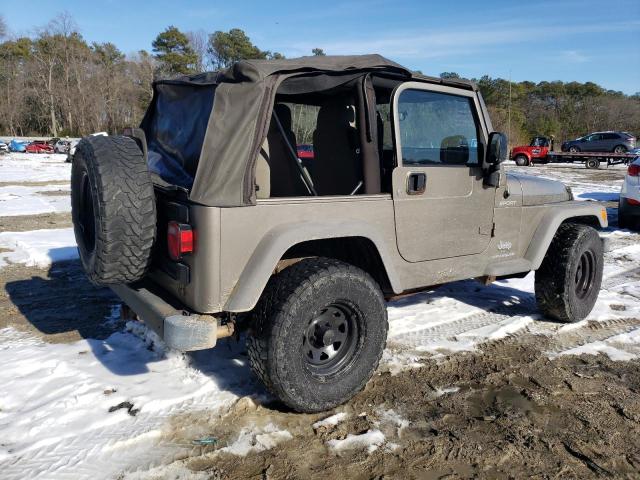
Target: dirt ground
{"x": 505, "y": 412}
{"x": 45, "y": 303}
{"x": 24, "y": 223}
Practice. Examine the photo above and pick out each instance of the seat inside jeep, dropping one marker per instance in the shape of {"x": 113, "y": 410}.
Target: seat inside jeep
{"x": 345, "y": 130}
{"x": 327, "y": 124}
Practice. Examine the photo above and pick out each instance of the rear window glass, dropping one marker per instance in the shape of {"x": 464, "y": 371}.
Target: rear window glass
{"x": 175, "y": 131}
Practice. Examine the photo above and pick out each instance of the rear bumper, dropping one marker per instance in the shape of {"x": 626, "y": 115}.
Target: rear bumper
{"x": 180, "y": 330}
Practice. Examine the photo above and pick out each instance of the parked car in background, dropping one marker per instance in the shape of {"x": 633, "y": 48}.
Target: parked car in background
{"x": 305, "y": 151}
{"x": 39, "y": 146}
{"x": 629, "y": 204}
{"x": 616, "y": 142}
{"x": 17, "y": 146}
{"x": 62, "y": 146}
{"x": 74, "y": 143}
{"x": 4, "y": 148}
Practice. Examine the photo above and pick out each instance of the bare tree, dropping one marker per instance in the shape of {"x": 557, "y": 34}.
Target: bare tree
{"x": 199, "y": 41}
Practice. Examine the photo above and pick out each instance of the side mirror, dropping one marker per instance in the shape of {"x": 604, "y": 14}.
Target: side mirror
{"x": 497, "y": 150}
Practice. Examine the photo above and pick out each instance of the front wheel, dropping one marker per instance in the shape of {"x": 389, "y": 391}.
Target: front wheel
{"x": 318, "y": 333}
{"x": 521, "y": 160}
{"x": 573, "y": 149}
{"x": 568, "y": 281}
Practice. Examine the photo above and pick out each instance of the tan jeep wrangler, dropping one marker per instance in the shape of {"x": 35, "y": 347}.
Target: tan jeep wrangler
{"x": 205, "y": 221}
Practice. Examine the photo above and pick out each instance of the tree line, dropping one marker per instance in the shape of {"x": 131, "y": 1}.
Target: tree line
{"x": 564, "y": 110}
{"x": 56, "y": 83}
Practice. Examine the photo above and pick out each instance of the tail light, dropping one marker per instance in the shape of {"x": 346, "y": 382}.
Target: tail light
{"x": 179, "y": 239}
{"x": 634, "y": 170}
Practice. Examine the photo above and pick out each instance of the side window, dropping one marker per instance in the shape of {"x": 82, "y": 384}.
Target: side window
{"x": 383, "y": 113}
{"x": 437, "y": 128}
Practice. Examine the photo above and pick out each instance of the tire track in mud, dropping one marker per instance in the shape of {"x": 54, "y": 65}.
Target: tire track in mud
{"x": 620, "y": 278}
{"x": 466, "y": 324}
{"x": 590, "y": 333}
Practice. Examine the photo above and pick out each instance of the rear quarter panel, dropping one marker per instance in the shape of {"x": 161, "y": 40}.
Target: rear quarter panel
{"x": 253, "y": 239}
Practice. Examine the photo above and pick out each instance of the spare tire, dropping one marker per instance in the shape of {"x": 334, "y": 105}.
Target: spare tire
{"x": 113, "y": 209}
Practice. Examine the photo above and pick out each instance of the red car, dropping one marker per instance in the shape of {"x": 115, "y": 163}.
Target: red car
{"x": 527, "y": 154}
{"x": 39, "y": 146}
{"x": 305, "y": 152}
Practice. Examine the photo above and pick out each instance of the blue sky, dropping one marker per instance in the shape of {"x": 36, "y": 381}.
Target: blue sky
{"x": 581, "y": 40}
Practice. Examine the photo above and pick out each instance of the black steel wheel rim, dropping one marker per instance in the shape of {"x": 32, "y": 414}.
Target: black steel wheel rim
{"x": 86, "y": 217}
{"x": 585, "y": 274}
{"x": 331, "y": 339}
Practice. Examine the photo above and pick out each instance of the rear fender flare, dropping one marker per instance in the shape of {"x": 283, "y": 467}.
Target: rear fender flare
{"x": 553, "y": 219}
{"x": 278, "y": 240}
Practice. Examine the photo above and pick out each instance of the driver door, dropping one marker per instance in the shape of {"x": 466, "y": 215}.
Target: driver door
{"x": 442, "y": 208}
{"x": 594, "y": 143}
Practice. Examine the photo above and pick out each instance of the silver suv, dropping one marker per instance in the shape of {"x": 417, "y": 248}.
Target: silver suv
{"x": 616, "y": 142}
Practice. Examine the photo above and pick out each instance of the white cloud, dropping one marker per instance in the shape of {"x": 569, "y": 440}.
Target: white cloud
{"x": 458, "y": 41}
{"x": 572, "y": 56}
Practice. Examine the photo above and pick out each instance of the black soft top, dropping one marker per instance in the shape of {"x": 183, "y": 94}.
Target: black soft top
{"x": 209, "y": 127}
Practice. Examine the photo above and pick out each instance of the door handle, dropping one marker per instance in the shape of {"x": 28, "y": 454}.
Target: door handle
{"x": 416, "y": 183}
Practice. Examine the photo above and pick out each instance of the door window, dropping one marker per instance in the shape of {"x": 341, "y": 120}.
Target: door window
{"x": 437, "y": 128}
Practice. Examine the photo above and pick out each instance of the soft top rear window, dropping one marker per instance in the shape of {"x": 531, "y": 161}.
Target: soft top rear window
{"x": 175, "y": 130}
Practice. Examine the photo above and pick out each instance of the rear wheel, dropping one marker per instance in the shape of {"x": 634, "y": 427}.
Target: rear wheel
{"x": 620, "y": 149}
{"x": 592, "y": 163}
{"x": 521, "y": 160}
{"x": 318, "y": 333}
{"x": 568, "y": 281}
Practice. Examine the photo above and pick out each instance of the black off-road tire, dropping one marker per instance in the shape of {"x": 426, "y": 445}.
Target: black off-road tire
{"x": 293, "y": 300}
{"x": 113, "y": 209}
{"x": 563, "y": 293}
{"x": 521, "y": 160}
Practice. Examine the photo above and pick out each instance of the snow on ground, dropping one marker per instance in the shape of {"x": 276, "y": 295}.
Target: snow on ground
{"x": 25, "y": 200}
{"x": 611, "y": 347}
{"x": 34, "y": 167}
{"x": 38, "y": 248}
{"x": 331, "y": 421}
{"x": 586, "y": 184}
{"x": 55, "y": 398}
{"x": 58, "y": 402}
{"x": 370, "y": 440}
{"x": 257, "y": 439}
